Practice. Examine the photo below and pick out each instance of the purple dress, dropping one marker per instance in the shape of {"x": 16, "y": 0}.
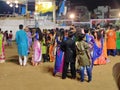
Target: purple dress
{"x": 59, "y": 58}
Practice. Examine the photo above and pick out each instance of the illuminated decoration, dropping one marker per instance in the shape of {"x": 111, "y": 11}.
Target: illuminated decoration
{"x": 12, "y": 3}
{"x": 44, "y": 7}
{"x": 16, "y": 1}
{"x": 119, "y": 14}
{"x": 72, "y": 16}
{"x": 8, "y": 2}
{"x": 16, "y": 5}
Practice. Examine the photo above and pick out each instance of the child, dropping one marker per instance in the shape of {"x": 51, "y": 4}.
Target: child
{"x": 10, "y": 38}
{"x": 83, "y": 57}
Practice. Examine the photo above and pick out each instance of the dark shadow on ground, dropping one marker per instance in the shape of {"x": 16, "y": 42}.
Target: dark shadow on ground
{"x": 14, "y": 59}
{"x": 48, "y": 69}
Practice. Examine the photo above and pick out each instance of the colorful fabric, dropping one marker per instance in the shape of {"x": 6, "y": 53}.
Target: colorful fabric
{"x": 59, "y": 58}
{"x": 44, "y": 47}
{"x": 29, "y": 39}
{"x": 100, "y": 59}
{"x": 118, "y": 39}
{"x": 1, "y": 41}
{"x": 97, "y": 51}
{"x": 90, "y": 40}
{"x": 37, "y": 52}
{"x": 22, "y": 43}
{"x": 62, "y": 7}
{"x": 111, "y": 37}
{"x": 59, "y": 61}
{"x": 2, "y": 51}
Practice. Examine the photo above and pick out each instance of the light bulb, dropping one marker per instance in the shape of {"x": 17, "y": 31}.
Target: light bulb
{"x": 11, "y": 5}
{"x": 8, "y": 2}
{"x": 16, "y": 5}
{"x": 16, "y": 1}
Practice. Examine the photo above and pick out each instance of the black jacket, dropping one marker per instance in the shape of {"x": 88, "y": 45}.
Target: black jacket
{"x": 68, "y": 47}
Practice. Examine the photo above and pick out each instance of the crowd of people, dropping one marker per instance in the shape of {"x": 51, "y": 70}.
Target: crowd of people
{"x": 80, "y": 48}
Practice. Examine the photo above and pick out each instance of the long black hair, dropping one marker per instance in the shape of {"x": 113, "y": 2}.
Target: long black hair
{"x": 38, "y": 30}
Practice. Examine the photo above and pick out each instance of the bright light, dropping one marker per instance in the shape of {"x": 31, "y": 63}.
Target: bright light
{"x": 16, "y": 1}
{"x": 47, "y": 5}
{"x": 72, "y": 16}
{"x": 8, "y": 2}
{"x": 11, "y": 5}
{"x": 39, "y": 2}
{"x": 119, "y": 14}
{"x": 16, "y": 5}
{"x": 35, "y": 13}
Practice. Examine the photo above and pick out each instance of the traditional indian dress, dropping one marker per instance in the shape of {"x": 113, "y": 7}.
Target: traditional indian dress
{"x": 44, "y": 50}
{"x": 51, "y": 49}
{"x": 118, "y": 41}
{"x": 101, "y": 59}
{"x": 37, "y": 51}
{"x": 111, "y": 37}
{"x": 2, "y": 51}
{"x": 22, "y": 43}
{"x": 59, "y": 58}
{"x": 90, "y": 40}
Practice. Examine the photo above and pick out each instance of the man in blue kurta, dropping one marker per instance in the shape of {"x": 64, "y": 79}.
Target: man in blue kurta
{"x": 22, "y": 45}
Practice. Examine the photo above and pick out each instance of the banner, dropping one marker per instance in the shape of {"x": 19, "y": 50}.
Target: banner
{"x": 62, "y": 7}
{"x": 23, "y": 10}
{"x": 44, "y": 7}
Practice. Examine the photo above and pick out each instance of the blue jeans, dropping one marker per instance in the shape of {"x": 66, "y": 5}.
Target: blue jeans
{"x": 111, "y": 50}
{"x": 89, "y": 73}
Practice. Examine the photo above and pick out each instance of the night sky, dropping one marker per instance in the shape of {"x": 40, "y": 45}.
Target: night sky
{"x": 91, "y": 4}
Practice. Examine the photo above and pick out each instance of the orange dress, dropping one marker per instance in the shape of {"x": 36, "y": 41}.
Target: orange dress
{"x": 105, "y": 50}
{"x": 51, "y": 50}
{"x": 100, "y": 60}
{"x": 111, "y": 39}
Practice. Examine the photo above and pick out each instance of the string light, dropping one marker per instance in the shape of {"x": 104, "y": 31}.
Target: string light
{"x": 11, "y": 3}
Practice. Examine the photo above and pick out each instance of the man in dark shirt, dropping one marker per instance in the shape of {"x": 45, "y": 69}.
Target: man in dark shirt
{"x": 68, "y": 47}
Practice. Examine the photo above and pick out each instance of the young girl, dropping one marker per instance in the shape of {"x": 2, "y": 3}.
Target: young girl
{"x": 83, "y": 58}
{"x": 37, "y": 51}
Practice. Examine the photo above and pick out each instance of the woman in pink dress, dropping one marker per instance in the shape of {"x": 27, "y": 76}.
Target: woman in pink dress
{"x": 37, "y": 51}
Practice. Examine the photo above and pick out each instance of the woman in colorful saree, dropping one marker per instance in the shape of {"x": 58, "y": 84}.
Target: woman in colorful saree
{"x": 2, "y": 51}
{"x": 61, "y": 36}
{"x": 37, "y": 50}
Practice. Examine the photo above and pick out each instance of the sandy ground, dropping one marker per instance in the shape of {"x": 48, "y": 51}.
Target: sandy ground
{"x": 15, "y": 77}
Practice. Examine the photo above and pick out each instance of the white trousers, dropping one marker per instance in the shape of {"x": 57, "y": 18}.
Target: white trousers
{"x": 22, "y": 62}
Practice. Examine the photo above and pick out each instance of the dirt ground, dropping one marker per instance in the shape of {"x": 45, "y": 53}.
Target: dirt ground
{"x": 15, "y": 77}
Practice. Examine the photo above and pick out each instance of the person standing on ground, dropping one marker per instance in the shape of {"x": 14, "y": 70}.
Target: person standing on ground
{"x": 68, "y": 47}
{"x": 111, "y": 38}
{"x": 2, "y": 51}
{"x": 83, "y": 58}
{"x": 10, "y": 38}
{"x": 22, "y": 45}
{"x": 37, "y": 50}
